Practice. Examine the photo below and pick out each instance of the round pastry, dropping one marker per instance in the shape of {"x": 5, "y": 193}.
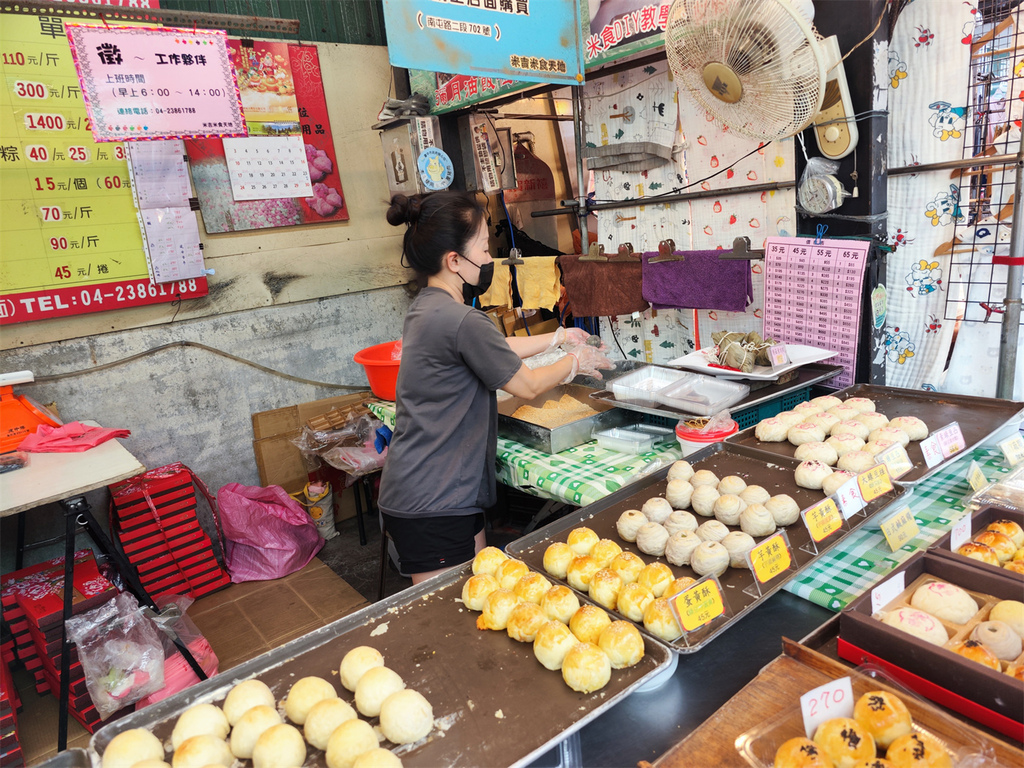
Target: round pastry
{"x": 680, "y": 470}
{"x": 651, "y": 538}
{"x": 628, "y": 566}
{"x": 811, "y": 473}
{"x": 581, "y": 571}
{"x": 657, "y": 509}
{"x": 375, "y": 686}
{"x": 406, "y": 716}
{"x": 738, "y": 544}
{"x": 875, "y": 447}
{"x": 800, "y": 752}
{"x": 710, "y": 557}
{"x": 945, "y": 601}
{"x": 559, "y": 603}
{"x": 680, "y": 520}
{"x": 1008, "y": 528}
{"x": 884, "y": 715}
{"x": 553, "y": 641}
{"x": 731, "y": 484}
{"x": 825, "y": 420}
{"x": 200, "y": 751}
{"x": 755, "y": 494}
{"x": 131, "y": 747}
{"x": 151, "y": 764}
{"x": 656, "y": 577}
{"x": 1018, "y": 555}
{"x": 633, "y": 599}
{"x": 1011, "y": 613}
{"x": 890, "y": 433}
{"x": 826, "y": 401}
{"x": 807, "y": 409}
{"x": 378, "y": 758}
{"x": 756, "y": 520}
{"x": 582, "y": 540}
{"x": 918, "y": 750}
{"x": 727, "y": 509}
{"x": 199, "y": 719}
{"x": 622, "y": 644}
{"x": 851, "y": 427}
{"x": 703, "y": 500}
{"x": 629, "y": 522}
{"x": 872, "y": 419}
{"x": 605, "y": 551}
{"x": 1013, "y": 670}
{"x": 251, "y": 726}
{"x": 498, "y": 606}
{"x": 845, "y": 741}
{"x": 1000, "y": 543}
{"x": 524, "y": 622}
{"x": 304, "y": 694}
{"x": 678, "y": 493}
{"x": 474, "y": 592}
{"x": 913, "y": 426}
{"x": 805, "y": 433}
{"x": 823, "y": 452}
{"x": 279, "y": 745}
{"x": 844, "y": 412}
{"x": 835, "y": 481}
{"x": 680, "y": 546}
{"x": 856, "y": 461}
{"x": 711, "y": 530}
{"x": 586, "y": 668}
{"x": 843, "y": 443}
{"x": 588, "y": 623}
{"x": 998, "y": 638}
{"x": 861, "y": 404}
{"x": 605, "y": 587}
{"x": 789, "y": 418}
{"x": 558, "y": 556}
{"x": 487, "y": 560}
{"x": 509, "y": 572}
{"x": 323, "y": 718}
{"x": 659, "y": 621}
{"x": 771, "y": 430}
{"x": 531, "y": 588}
{"x": 1016, "y": 566}
{"x": 919, "y": 624}
{"x": 980, "y": 552}
{"x": 349, "y": 741}
{"x": 678, "y": 585}
{"x": 704, "y": 477}
{"x": 252, "y": 693}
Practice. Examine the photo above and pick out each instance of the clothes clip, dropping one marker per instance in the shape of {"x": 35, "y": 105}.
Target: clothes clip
{"x": 514, "y": 258}
{"x": 625, "y": 253}
{"x": 666, "y": 252}
{"x": 822, "y": 229}
{"x": 596, "y": 253}
{"x": 741, "y": 250}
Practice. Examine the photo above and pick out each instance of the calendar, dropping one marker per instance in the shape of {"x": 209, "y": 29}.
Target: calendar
{"x": 268, "y": 167}
{"x": 813, "y": 293}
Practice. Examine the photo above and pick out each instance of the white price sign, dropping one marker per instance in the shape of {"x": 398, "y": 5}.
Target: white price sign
{"x": 960, "y": 533}
{"x": 887, "y": 591}
{"x": 1013, "y": 449}
{"x": 932, "y": 451}
{"x": 849, "y": 499}
{"x": 833, "y": 699}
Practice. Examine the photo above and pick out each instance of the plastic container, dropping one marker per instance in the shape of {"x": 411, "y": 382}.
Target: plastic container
{"x": 701, "y": 395}
{"x": 381, "y": 370}
{"x": 643, "y": 383}
{"x": 625, "y": 440}
{"x": 691, "y": 439}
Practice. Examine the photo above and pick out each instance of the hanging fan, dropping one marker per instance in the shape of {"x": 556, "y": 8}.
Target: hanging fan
{"x": 760, "y": 68}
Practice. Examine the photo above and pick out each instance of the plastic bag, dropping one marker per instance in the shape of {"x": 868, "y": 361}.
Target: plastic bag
{"x": 121, "y": 653}
{"x": 268, "y": 534}
{"x": 350, "y": 448}
{"x": 172, "y": 621}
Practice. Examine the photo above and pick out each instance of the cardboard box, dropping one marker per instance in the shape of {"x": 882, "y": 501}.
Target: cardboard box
{"x": 979, "y": 521}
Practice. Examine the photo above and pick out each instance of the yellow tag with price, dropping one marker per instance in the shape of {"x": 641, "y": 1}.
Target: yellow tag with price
{"x": 900, "y": 528}
{"x": 770, "y": 558}
{"x": 874, "y": 482}
{"x": 823, "y": 519}
{"x": 1013, "y": 450}
{"x": 699, "y": 605}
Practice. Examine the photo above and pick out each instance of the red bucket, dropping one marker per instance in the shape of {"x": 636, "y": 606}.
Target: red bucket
{"x": 691, "y": 439}
{"x": 381, "y": 370}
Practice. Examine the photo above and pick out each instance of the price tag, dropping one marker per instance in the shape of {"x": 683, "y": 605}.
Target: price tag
{"x": 960, "y": 533}
{"x": 1013, "y": 449}
{"x": 888, "y": 591}
{"x": 822, "y": 520}
{"x": 770, "y": 558}
{"x": 896, "y": 460}
{"x": 900, "y": 528}
{"x": 874, "y": 482}
{"x": 951, "y": 439}
{"x": 778, "y": 356}
{"x": 932, "y": 451}
{"x": 849, "y": 499}
{"x": 833, "y": 699}
{"x": 699, "y": 605}
{"x": 976, "y": 477}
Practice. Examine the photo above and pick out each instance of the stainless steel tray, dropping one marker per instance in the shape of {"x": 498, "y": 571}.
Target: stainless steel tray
{"x": 775, "y": 473}
{"x": 566, "y": 436}
{"x": 979, "y": 419}
{"x": 69, "y": 758}
{"x": 494, "y": 704}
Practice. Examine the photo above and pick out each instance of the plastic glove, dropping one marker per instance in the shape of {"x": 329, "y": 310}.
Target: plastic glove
{"x": 589, "y": 361}
{"x": 568, "y": 336}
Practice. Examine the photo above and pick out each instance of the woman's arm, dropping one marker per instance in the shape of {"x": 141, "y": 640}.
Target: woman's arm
{"x": 529, "y": 384}
{"x": 528, "y": 346}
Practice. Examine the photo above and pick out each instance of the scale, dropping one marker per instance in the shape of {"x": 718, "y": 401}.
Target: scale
{"x": 19, "y": 415}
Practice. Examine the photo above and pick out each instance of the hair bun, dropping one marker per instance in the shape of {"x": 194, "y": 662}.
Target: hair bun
{"x": 404, "y": 210}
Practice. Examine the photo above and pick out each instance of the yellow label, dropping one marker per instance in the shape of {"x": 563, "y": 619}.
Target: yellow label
{"x": 823, "y": 519}
{"x": 976, "y": 477}
{"x": 699, "y": 605}
{"x": 900, "y": 528}
{"x": 1013, "y": 450}
{"x": 770, "y": 558}
{"x": 874, "y": 482}
{"x": 896, "y": 460}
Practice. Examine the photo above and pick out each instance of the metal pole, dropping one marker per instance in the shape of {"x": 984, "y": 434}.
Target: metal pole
{"x": 581, "y": 178}
{"x": 1010, "y": 332}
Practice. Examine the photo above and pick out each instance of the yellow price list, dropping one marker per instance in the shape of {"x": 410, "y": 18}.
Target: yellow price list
{"x": 699, "y": 605}
{"x": 823, "y": 519}
{"x": 770, "y": 558}
{"x": 900, "y": 528}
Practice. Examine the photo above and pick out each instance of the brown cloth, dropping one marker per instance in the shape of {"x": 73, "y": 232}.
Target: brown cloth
{"x": 600, "y": 289}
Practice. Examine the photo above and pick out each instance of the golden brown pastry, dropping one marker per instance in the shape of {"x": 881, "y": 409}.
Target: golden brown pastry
{"x": 581, "y": 571}
{"x": 1018, "y": 555}
{"x": 800, "y": 752}
{"x": 656, "y": 577}
{"x": 582, "y": 540}
{"x": 557, "y": 558}
{"x": 677, "y": 586}
{"x": 498, "y": 606}
{"x": 487, "y": 560}
{"x": 1008, "y": 528}
{"x": 660, "y": 622}
{"x": 524, "y": 621}
{"x": 475, "y": 591}
{"x": 586, "y": 668}
{"x": 532, "y": 587}
{"x": 874, "y": 762}
{"x": 559, "y": 603}
{"x": 975, "y": 651}
{"x": 633, "y": 600}
{"x": 628, "y": 566}
{"x": 251, "y": 726}
{"x": 845, "y": 741}
{"x": 1011, "y": 613}
{"x": 1017, "y": 566}
{"x": 622, "y": 643}
{"x": 629, "y": 524}
{"x": 884, "y": 715}
{"x": 1015, "y": 671}
{"x": 1000, "y": 543}
{"x": 553, "y": 641}
{"x": 588, "y": 623}
{"x": 203, "y": 750}
{"x": 605, "y": 586}
{"x": 509, "y": 572}
{"x": 918, "y": 750}
{"x": 980, "y": 552}
{"x": 605, "y": 551}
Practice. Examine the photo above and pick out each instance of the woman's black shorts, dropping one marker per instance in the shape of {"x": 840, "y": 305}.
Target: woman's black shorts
{"x": 432, "y": 543}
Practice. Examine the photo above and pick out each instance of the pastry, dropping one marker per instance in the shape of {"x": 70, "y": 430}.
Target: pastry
{"x": 588, "y": 623}
{"x": 731, "y": 484}
{"x": 844, "y": 412}
{"x": 824, "y": 420}
{"x": 582, "y": 540}
{"x": 405, "y": 717}
{"x": 1000, "y": 543}
{"x": 678, "y": 493}
{"x": 856, "y": 461}
{"x": 1008, "y": 528}
{"x": 559, "y": 603}
{"x": 474, "y": 592}
{"x": 200, "y": 751}
{"x": 497, "y": 608}
{"x": 980, "y": 552}
{"x": 605, "y": 551}
{"x": 279, "y": 745}
{"x": 789, "y": 418}
{"x": 553, "y": 641}
{"x": 656, "y": 510}
{"x": 835, "y": 481}
{"x": 728, "y": 507}
{"x": 756, "y": 520}
{"x": 629, "y": 522}
{"x": 851, "y": 427}
{"x": 845, "y": 741}
{"x": 884, "y": 715}
{"x": 783, "y": 508}
{"x": 810, "y": 474}
{"x": 1011, "y": 613}
{"x": 252, "y": 693}
{"x": 875, "y": 447}
{"x": 581, "y": 570}
{"x": 826, "y": 401}
{"x": 651, "y": 538}
{"x": 680, "y": 546}
{"x": 703, "y": 500}
{"x": 659, "y": 621}
{"x": 891, "y": 434}
{"x": 917, "y": 623}
{"x": 131, "y": 747}
{"x": 558, "y": 556}
{"x": 945, "y": 601}
{"x": 711, "y": 530}
{"x": 628, "y": 566}
{"x": 509, "y": 572}
{"x": 704, "y": 477}
{"x": 531, "y": 588}
{"x": 586, "y": 668}
{"x": 349, "y": 741}
{"x": 524, "y": 621}
{"x": 738, "y": 544}
{"x": 622, "y": 644}
{"x": 304, "y": 694}
{"x": 680, "y": 520}
{"x": 375, "y": 686}
{"x": 1016, "y": 566}
{"x": 378, "y": 758}
{"x": 251, "y": 726}
{"x": 823, "y": 452}
{"x": 845, "y": 442}
{"x": 680, "y": 470}
{"x": 656, "y": 577}
{"x": 678, "y": 585}
{"x": 872, "y": 419}
{"x": 997, "y": 636}
{"x": 1015, "y": 671}
{"x": 605, "y": 587}
{"x": 860, "y": 404}
{"x": 323, "y": 718}
{"x": 487, "y": 560}
{"x": 709, "y": 557}
{"x": 633, "y": 599}
{"x": 805, "y": 433}
{"x": 807, "y": 409}
{"x": 800, "y": 752}
{"x": 199, "y": 719}
{"x": 771, "y": 430}
{"x": 918, "y": 750}
{"x": 913, "y": 426}
{"x": 1019, "y": 554}
{"x": 755, "y": 494}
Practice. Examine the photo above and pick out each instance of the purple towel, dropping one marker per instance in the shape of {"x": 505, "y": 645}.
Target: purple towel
{"x": 699, "y": 281}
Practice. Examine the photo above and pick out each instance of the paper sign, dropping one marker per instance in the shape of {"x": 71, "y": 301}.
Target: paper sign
{"x": 833, "y": 699}
{"x": 770, "y": 558}
{"x": 778, "y": 356}
{"x": 266, "y": 168}
{"x": 849, "y": 499}
{"x": 822, "y": 520}
{"x": 699, "y": 605}
{"x": 960, "y": 533}
{"x": 932, "y": 451}
{"x": 888, "y": 591}
{"x": 900, "y": 528}
{"x": 951, "y": 439}
{"x": 874, "y": 482}
{"x": 976, "y": 477}
{"x": 896, "y": 460}
{"x": 1013, "y": 449}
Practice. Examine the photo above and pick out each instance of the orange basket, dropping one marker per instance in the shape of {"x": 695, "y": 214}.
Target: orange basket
{"x": 381, "y": 370}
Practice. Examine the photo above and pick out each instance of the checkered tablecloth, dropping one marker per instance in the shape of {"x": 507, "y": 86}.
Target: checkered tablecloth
{"x": 863, "y": 557}
{"x": 577, "y": 476}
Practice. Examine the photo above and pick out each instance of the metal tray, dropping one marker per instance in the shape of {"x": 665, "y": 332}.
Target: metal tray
{"x": 566, "y": 436}
{"x": 774, "y": 473}
{"x": 69, "y": 758}
{"x": 979, "y": 419}
{"x": 494, "y": 704}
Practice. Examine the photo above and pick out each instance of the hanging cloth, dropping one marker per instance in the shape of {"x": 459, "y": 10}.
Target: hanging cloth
{"x": 539, "y": 285}
{"x": 699, "y": 280}
{"x": 599, "y": 289}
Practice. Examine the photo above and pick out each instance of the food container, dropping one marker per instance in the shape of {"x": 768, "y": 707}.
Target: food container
{"x": 643, "y": 383}
{"x": 687, "y": 392}
{"x": 561, "y": 438}
{"x": 979, "y": 521}
{"x": 631, "y": 440}
{"x": 692, "y": 439}
{"x": 381, "y": 368}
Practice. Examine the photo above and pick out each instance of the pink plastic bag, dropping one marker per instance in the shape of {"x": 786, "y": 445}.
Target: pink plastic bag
{"x": 268, "y": 534}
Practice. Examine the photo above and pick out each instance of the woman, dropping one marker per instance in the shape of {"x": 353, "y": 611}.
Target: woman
{"x": 439, "y": 474}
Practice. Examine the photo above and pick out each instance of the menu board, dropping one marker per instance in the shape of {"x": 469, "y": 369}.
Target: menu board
{"x": 813, "y": 296}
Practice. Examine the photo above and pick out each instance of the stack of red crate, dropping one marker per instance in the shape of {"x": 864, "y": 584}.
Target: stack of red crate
{"x": 161, "y": 535}
{"x": 10, "y": 748}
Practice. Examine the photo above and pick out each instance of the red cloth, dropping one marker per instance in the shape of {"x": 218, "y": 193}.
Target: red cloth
{"x": 70, "y": 438}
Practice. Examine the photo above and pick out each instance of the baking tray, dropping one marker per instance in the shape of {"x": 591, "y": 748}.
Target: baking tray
{"x": 979, "y": 520}
{"x": 979, "y": 419}
{"x": 566, "y": 436}
{"x": 495, "y": 703}
{"x": 774, "y": 473}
